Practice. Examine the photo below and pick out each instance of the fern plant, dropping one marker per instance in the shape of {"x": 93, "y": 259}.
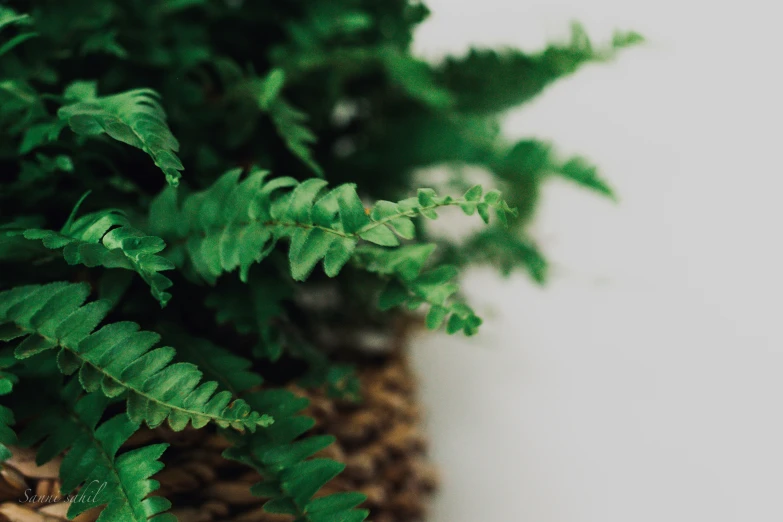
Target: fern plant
{"x": 177, "y": 173}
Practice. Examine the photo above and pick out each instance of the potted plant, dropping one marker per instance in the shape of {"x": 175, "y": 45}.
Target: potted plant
{"x": 213, "y": 239}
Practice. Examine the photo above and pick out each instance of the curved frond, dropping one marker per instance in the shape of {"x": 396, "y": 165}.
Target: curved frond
{"x": 284, "y": 458}
{"x": 290, "y": 124}
{"x": 133, "y": 117}
{"x": 533, "y": 160}
{"x": 234, "y": 223}
{"x": 107, "y": 239}
{"x": 486, "y": 80}
{"x": 121, "y": 483}
{"x": 117, "y": 359}
{"x": 411, "y": 286}
{"x": 281, "y": 453}
{"x": 509, "y": 249}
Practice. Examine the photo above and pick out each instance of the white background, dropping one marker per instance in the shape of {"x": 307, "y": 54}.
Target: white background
{"x": 645, "y": 382}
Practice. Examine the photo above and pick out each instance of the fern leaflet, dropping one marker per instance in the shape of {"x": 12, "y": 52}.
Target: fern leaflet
{"x": 289, "y": 122}
{"x": 107, "y": 239}
{"x": 133, "y": 117}
{"x": 117, "y": 358}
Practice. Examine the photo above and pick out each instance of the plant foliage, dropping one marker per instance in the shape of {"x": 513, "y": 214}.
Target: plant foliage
{"x": 124, "y": 481}
{"x": 292, "y": 139}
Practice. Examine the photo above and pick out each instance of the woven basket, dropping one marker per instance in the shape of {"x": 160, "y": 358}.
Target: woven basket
{"x": 380, "y": 441}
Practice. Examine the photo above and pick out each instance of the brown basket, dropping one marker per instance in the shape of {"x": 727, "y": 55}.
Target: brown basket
{"x": 380, "y": 441}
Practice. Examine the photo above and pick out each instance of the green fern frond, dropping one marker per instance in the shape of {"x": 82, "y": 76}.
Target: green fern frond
{"x": 534, "y": 160}
{"x": 580, "y": 171}
{"x": 415, "y": 76}
{"x": 290, "y": 124}
{"x": 106, "y": 239}
{"x": 290, "y": 476}
{"x": 279, "y": 452}
{"x": 235, "y": 224}
{"x": 117, "y": 358}
{"x": 508, "y": 250}
{"x": 289, "y": 121}
{"x": 121, "y": 483}
{"x": 494, "y": 81}
{"x": 9, "y": 17}
{"x": 409, "y": 286}
{"x": 133, "y": 117}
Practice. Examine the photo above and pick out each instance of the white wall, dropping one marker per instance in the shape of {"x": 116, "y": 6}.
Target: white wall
{"x": 645, "y": 382}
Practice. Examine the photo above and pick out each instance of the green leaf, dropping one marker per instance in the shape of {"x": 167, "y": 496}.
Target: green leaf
{"x": 436, "y": 316}
{"x": 8, "y": 45}
{"x": 426, "y": 197}
{"x": 380, "y": 235}
{"x": 40, "y": 134}
{"x": 335, "y": 503}
{"x": 351, "y": 516}
{"x": 283, "y": 506}
{"x": 626, "y": 39}
{"x": 107, "y": 239}
{"x": 338, "y": 255}
{"x": 320, "y": 227}
{"x": 271, "y": 86}
{"x": 117, "y": 358}
{"x": 303, "y": 480}
{"x": 352, "y": 214}
{"x": 483, "y": 211}
{"x": 10, "y": 17}
{"x": 581, "y": 172}
{"x": 289, "y": 122}
{"x": 486, "y": 81}
{"x": 289, "y": 455}
{"x": 474, "y": 193}
{"x": 454, "y": 324}
{"x": 120, "y": 483}
{"x": 314, "y": 248}
{"x": 133, "y": 117}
